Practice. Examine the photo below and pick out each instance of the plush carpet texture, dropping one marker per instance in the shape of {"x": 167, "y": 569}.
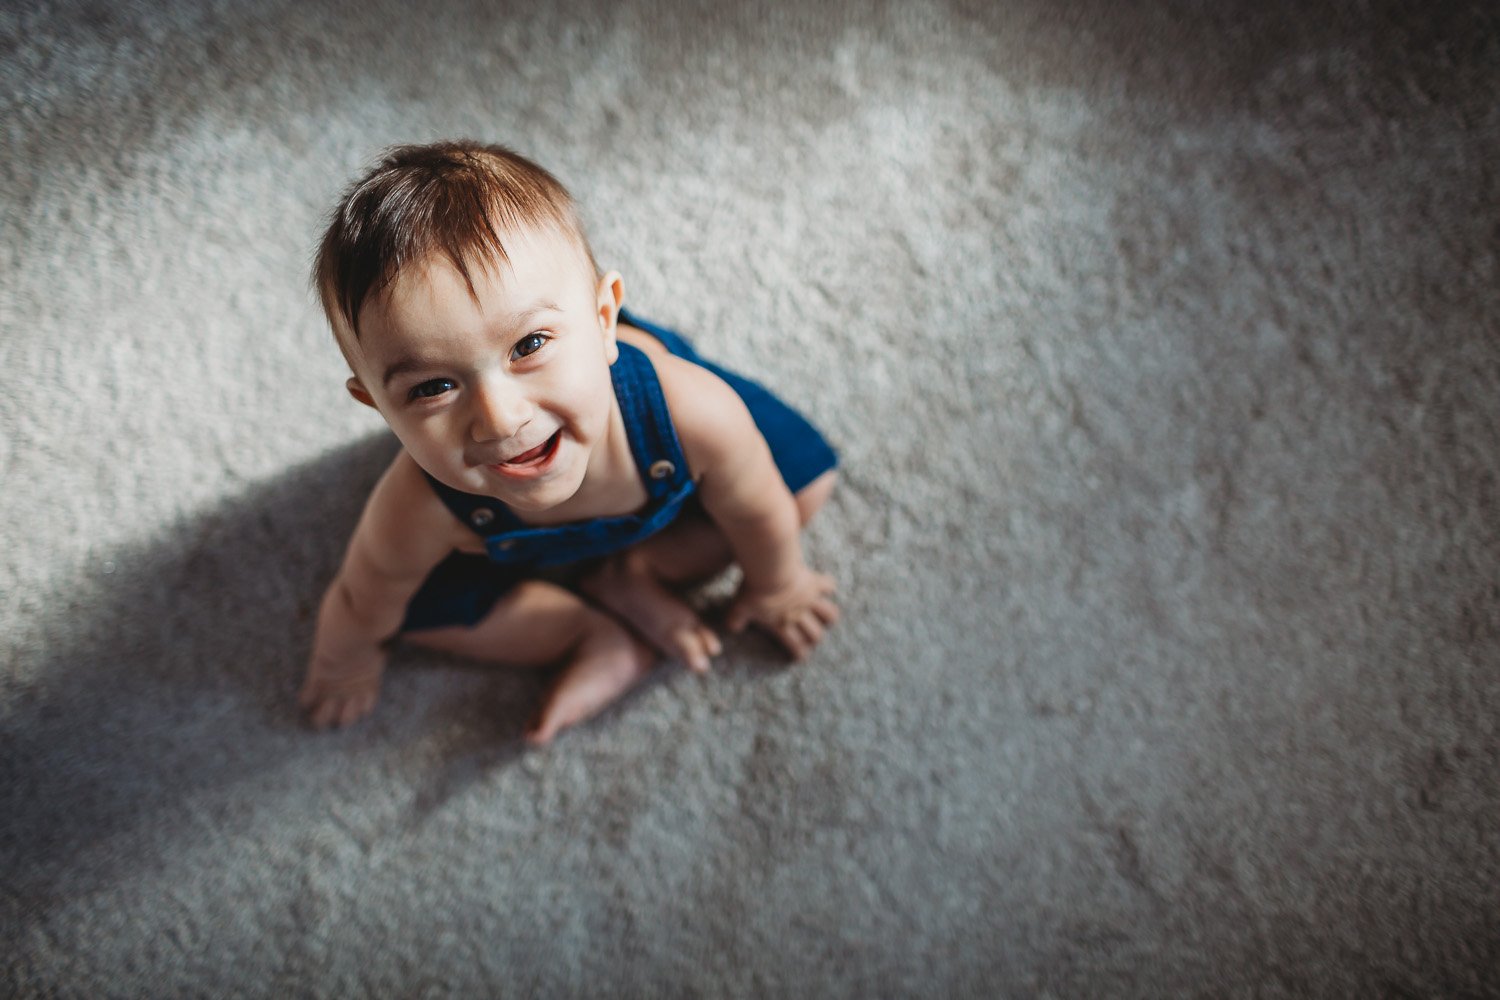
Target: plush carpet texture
{"x": 1161, "y": 342}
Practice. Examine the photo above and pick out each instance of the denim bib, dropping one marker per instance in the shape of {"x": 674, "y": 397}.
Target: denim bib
{"x": 658, "y": 459}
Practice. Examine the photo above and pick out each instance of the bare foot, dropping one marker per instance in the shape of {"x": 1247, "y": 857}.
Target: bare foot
{"x": 605, "y": 666}
{"x": 659, "y": 615}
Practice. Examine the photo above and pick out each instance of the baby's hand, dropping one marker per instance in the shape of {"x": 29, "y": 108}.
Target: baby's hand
{"x": 797, "y": 613}
{"x": 338, "y": 693}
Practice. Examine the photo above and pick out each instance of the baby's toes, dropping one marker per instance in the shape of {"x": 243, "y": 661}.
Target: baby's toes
{"x": 330, "y": 710}
{"x": 587, "y": 685}
{"x": 356, "y": 708}
{"x": 694, "y": 644}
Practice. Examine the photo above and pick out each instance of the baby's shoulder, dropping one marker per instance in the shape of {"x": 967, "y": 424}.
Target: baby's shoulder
{"x": 709, "y": 416}
{"x": 403, "y": 483}
{"x": 403, "y": 505}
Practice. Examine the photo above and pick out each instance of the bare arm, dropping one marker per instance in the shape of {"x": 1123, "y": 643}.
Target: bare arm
{"x": 403, "y": 532}
{"x": 743, "y": 492}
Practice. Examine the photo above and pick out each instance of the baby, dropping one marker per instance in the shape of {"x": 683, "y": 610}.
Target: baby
{"x": 548, "y": 437}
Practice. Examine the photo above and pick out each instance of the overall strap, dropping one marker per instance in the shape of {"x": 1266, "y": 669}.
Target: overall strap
{"x": 648, "y": 423}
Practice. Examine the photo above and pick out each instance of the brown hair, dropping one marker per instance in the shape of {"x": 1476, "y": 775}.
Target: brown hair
{"x": 453, "y": 198}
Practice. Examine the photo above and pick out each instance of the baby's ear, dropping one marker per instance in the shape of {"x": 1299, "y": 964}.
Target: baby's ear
{"x": 358, "y": 391}
{"x": 610, "y": 296}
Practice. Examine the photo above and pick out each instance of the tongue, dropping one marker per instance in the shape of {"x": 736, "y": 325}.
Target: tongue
{"x": 532, "y": 455}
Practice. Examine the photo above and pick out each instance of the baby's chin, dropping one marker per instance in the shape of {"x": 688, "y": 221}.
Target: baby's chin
{"x": 533, "y": 497}
{"x": 528, "y": 497}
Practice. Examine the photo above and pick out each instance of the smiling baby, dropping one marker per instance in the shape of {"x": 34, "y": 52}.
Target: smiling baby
{"x": 565, "y": 466}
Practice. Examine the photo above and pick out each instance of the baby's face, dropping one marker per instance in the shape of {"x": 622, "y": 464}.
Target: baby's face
{"x": 508, "y": 396}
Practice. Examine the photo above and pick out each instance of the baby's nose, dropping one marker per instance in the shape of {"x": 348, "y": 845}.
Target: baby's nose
{"x": 499, "y": 412}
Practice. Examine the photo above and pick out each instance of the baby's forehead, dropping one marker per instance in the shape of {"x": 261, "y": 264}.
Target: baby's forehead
{"x": 527, "y": 257}
{"x": 539, "y": 266}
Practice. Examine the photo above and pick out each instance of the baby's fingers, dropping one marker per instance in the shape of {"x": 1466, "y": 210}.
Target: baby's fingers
{"x": 810, "y": 629}
{"x": 795, "y": 644}
{"x": 826, "y": 610}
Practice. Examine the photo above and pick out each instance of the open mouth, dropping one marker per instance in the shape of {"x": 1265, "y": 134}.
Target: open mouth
{"x": 532, "y": 461}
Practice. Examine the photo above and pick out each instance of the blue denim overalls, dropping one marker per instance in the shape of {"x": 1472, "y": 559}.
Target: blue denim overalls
{"x": 463, "y": 588}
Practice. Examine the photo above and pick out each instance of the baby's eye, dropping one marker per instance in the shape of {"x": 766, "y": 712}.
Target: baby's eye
{"x": 432, "y": 387}
{"x": 529, "y": 344}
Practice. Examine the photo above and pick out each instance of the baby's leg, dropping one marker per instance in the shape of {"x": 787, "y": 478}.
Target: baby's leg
{"x": 634, "y": 584}
{"x": 538, "y": 624}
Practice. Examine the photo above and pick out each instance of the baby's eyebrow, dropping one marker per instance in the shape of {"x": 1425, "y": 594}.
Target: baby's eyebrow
{"x": 527, "y": 315}
{"x": 402, "y": 366}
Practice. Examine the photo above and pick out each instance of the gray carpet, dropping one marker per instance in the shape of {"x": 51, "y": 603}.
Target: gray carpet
{"x": 1162, "y": 344}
